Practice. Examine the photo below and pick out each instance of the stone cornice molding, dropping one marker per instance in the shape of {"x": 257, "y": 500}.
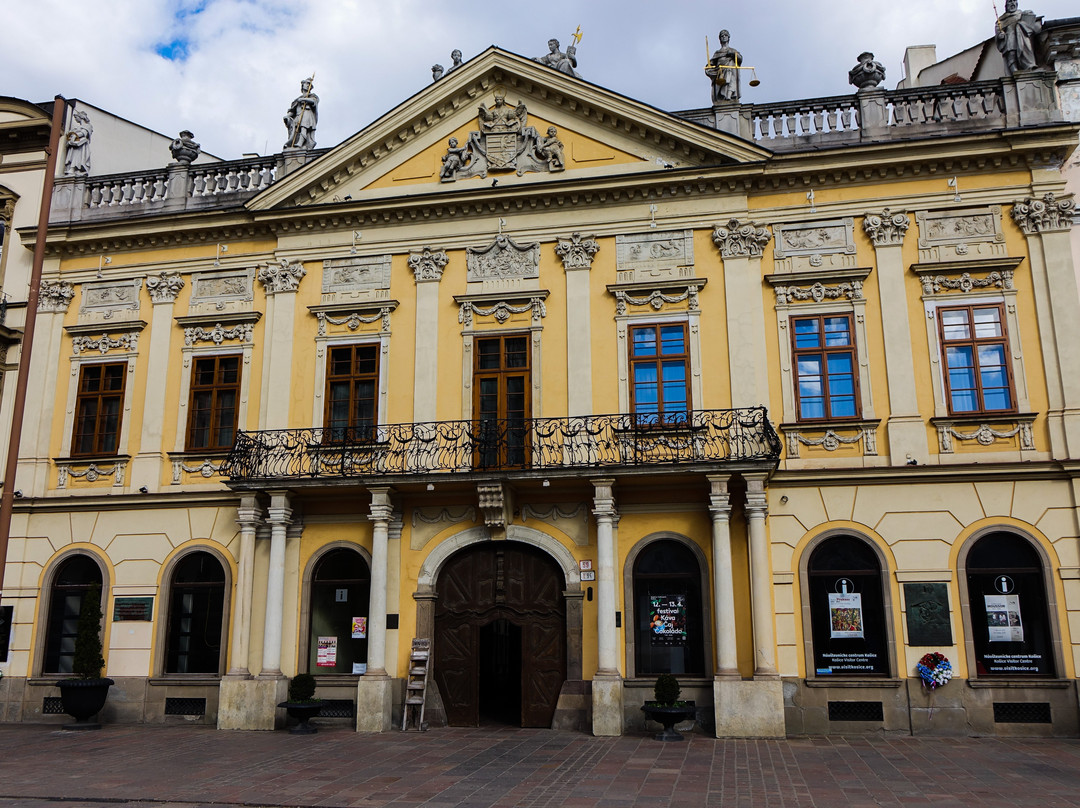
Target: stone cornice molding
{"x": 428, "y": 264}
{"x": 1047, "y": 215}
{"x": 165, "y": 287}
{"x": 55, "y": 296}
{"x": 741, "y": 240}
{"x": 285, "y": 276}
{"x": 577, "y": 251}
{"x": 886, "y": 229}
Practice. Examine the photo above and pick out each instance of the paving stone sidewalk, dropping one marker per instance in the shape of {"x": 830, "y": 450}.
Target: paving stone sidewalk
{"x": 195, "y": 766}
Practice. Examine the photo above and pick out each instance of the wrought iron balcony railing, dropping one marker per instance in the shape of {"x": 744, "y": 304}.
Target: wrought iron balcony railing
{"x": 532, "y": 444}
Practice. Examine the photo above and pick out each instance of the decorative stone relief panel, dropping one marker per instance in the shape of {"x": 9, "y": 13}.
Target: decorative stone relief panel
{"x": 206, "y": 469}
{"x": 501, "y": 310}
{"x": 577, "y": 251}
{"x": 352, "y": 316}
{"x": 428, "y": 264}
{"x": 218, "y": 335}
{"x": 960, "y": 234}
{"x": 656, "y": 299}
{"x": 104, "y": 343}
{"x": 108, "y": 297}
{"x": 831, "y": 438}
{"x": 813, "y": 245}
{"x": 641, "y": 257}
{"x": 219, "y": 288}
{"x": 986, "y": 435}
{"x": 356, "y": 273}
{"x": 66, "y": 470}
{"x": 502, "y": 260}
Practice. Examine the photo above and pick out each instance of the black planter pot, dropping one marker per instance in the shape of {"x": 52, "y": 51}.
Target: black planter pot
{"x": 303, "y": 711}
{"x": 668, "y": 717}
{"x": 83, "y": 699}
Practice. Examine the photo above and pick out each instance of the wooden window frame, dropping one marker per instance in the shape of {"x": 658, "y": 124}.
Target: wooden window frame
{"x": 656, "y": 360}
{"x": 974, "y": 342}
{"x": 215, "y": 388}
{"x": 352, "y": 431}
{"x": 851, "y": 350}
{"x": 82, "y": 396}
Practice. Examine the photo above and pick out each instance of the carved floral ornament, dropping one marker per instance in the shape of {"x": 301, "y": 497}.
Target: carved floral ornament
{"x": 737, "y": 240}
{"x": 656, "y": 299}
{"x": 55, "y": 296}
{"x": 104, "y": 343}
{"x": 285, "y": 276}
{"x": 501, "y": 311}
{"x": 355, "y": 319}
{"x": 886, "y": 228}
{"x": 428, "y": 264}
{"x": 851, "y": 290}
{"x": 218, "y": 334}
{"x": 503, "y": 259}
{"x": 165, "y": 287}
{"x": 966, "y": 283}
{"x": 577, "y": 251}
{"x": 1044, "y": 215}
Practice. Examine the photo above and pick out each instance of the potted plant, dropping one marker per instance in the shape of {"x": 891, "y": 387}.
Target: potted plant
{"x": 667, "y": 709}
{"x": 302, "y": 704}
{"x": 84, "y": 694}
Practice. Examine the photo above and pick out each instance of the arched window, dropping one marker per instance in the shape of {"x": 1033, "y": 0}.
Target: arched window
{"x": 75, "y": 576}
{"x": 847, "y": 611}
{"x": 1010, "y": 625}
{"x": 337, "y": 640}
{"x": 669, "y": 630}
{"x": 196, "y": 615}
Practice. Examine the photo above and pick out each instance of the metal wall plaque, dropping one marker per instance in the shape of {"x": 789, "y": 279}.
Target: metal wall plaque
{"x": 133, "y": 609}
{"x": 928, "y": 619}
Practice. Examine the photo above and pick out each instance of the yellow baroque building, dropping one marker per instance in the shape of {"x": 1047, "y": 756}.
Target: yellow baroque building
{"x": 570, "y": 392}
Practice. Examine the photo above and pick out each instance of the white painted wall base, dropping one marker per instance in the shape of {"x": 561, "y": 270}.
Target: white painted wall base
{"x": 607, "y": 706}
{"x": 374, "y": 703}
{"x": 251, "y": 703}
{"x": 749, "y": 708}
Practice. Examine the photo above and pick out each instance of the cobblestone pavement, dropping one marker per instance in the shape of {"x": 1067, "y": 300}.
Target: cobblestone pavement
{"x": 196, "y": 766}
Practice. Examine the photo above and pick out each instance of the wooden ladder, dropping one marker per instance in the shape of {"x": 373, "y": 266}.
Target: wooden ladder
{"x": 416, "y": 686}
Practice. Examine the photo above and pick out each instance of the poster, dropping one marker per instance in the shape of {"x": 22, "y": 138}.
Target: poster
{"x": 1003, "y": 618}
{"x": 359, "y": 628}
{"x": 327, "y": 654}
{"x": 845, "y": 616}
{"x": 667, "y": 620}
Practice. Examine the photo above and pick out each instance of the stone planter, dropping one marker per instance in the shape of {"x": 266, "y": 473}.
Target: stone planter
{"x": 83, "y": 699}
{"x": 668, "y": 717}
{"x": 303, "y": 711}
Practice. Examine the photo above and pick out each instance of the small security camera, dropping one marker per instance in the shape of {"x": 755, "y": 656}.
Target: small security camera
{"x": 144, "y": 490}
{"x": 18, "y": 493}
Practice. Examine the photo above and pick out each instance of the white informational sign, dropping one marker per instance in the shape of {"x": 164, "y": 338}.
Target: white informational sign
{"x": 341, "y": 595}
{"x": 1003, "y": 618}
{"x": 588, "y": 575}
{"x": 359, "y": 667}
{"x": 327, "y": 653}
{"x": 845, "y": 616}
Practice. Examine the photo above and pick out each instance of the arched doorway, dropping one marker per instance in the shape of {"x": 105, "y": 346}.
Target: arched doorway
{"x": 500, "y": 635}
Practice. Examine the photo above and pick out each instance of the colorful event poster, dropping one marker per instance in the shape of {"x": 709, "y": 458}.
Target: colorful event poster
{"x": 845, "y": 616}
{"x": 667, "y": 620}
{"x": 1003, "y": 618}
{"x": 359, "y": 628}
{"x": 327, "y": 653}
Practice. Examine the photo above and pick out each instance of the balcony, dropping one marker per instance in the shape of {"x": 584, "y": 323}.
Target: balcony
{"x": 544, "y": 446}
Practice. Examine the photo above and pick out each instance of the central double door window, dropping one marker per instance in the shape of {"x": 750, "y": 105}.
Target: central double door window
{"x": 502, "y": 406}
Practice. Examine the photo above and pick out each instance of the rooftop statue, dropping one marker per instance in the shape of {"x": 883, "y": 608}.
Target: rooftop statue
{"x": 722, "y": 70}
{"x": 437, "y": 72}
{"x": 556, "y": 59}
{"x": 455, "y": 58}
{"x": 184, "y": 148}
{"x": 77, "y": 158}
{"x": 868, "y": 73}
{"x": 302, "y": 117}
{"x": 1015, "y": 32}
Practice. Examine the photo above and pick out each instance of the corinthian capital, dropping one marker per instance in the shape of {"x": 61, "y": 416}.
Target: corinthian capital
{"x": 737, "y": 240}
{"x": 1044, "y": 215}
{"x": 886, "y": 228}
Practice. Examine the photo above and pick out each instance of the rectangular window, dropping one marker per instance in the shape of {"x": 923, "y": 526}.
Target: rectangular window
{"x": 215, "y": 396}
{"x": 826, "y": 384}
{"x": 502, "y": 382}
{"x": 352, "y": 386}
{"x": 98, "y": 408}
{"x": 660, "y": 373}
{"x": 975, "y": 347}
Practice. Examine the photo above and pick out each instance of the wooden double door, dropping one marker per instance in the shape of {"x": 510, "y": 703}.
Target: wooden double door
{"x": 500, "y": 635}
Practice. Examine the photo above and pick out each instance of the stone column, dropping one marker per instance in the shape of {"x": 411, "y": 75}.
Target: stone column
{"x": 906, "y": 429}
{"x": 1046, "y": 222}
{"x": 279, "y": 516}
{"x": 577, "y": 254}
{"x": 760, "y": 579}
{"x": 146, "y": 465}
{"x": 607, "y": 682}
{"x": 374, "y": 691}
{"x": 427, "y": 266}
{"x": 247, "y": 516}
{"x": 741, "y": 245}
{"x": 727, "y": 659}
{"x": 281, "y": 281}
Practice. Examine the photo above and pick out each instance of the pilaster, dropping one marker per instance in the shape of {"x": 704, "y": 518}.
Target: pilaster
{"x": 427, "y": 266}
{"x": 375, "y": 688}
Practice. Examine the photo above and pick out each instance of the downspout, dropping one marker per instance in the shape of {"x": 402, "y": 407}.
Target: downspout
{"x": 7, "y": 494}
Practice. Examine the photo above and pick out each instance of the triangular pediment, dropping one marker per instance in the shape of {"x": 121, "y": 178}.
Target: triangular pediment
{"x": 598, "y": 133}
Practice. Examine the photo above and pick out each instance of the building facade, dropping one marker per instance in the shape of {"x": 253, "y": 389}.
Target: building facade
{"x": 776, "y": 398}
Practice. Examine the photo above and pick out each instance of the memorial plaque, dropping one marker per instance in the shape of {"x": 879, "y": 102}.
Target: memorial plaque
{"x": 928, "y": 620}
{"x": 133, "y": 609}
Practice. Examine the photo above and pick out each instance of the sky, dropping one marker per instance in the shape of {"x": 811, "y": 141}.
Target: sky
{"x": 228, "y": 69}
